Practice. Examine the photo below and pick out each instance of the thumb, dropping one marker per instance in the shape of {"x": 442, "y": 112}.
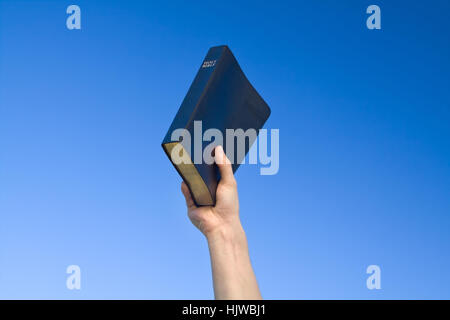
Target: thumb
{"x": 224, "y": 164}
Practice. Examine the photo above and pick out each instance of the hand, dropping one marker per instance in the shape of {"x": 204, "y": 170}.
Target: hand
{"x": 225, "y": 214}
{"x": 233, "y": 275}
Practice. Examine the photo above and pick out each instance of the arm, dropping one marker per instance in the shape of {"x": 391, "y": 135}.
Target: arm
{"x": 233, "y": 275}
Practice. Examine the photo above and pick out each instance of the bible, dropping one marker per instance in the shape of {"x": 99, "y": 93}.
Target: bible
{"x": 220, "y": 102}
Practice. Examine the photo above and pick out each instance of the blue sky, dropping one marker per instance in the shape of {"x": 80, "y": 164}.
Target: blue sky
{"x": 364, "y": 147}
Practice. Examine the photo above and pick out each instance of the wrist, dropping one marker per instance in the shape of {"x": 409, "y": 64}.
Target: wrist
{"x": 231, "y": 233}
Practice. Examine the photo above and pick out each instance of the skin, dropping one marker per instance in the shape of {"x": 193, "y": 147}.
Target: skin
{"x": 233, "y": 275}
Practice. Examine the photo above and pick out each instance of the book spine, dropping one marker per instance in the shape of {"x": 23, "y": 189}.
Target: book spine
{"x": 195, "y": 91}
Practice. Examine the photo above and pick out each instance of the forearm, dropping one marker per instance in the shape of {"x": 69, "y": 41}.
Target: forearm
{"x": 232, "y": 271}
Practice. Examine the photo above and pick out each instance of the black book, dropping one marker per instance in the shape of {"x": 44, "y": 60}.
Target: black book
{"x": 221, "y": 98}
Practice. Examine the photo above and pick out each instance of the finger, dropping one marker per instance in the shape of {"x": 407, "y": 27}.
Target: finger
{"x": 224, "y": 164}
{"x": 187, "y": 195}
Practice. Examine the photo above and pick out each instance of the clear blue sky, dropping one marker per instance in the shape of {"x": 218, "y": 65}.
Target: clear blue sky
{"x": 364, "y": 119}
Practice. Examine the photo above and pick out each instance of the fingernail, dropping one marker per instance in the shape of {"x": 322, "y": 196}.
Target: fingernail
{"x": 219, "y": 155}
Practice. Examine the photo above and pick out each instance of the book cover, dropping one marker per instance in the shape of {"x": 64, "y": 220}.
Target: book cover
{"x": 221, "y": 98}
